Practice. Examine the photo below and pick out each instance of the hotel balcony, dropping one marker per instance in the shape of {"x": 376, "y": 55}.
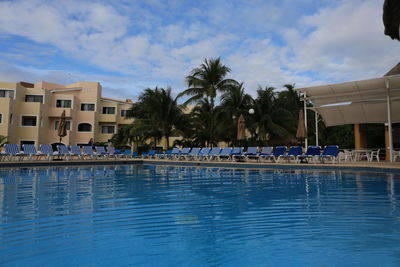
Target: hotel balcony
{"x": 108, "y": 118}
{"x": 56, "y": 112}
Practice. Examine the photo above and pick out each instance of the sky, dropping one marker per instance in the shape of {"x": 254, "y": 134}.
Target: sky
{"x": 130, "y": 45}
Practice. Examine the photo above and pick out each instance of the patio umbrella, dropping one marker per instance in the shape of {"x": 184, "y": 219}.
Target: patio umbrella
{"x": 241, "y": 128}
{"x": 301, "y": 127}
{"x": 62, "y": 130}
{"x": 391, "y": 18}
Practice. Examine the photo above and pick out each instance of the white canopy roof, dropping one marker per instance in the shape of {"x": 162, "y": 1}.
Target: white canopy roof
{"x": 356, "y": 102}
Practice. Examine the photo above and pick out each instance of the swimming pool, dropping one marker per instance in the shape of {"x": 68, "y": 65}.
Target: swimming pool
{"x": 192, "y": 216}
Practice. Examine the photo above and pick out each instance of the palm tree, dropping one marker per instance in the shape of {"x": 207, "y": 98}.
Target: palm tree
{"x": 290, "y": 99}
{"x": 234, "y": 102}
{"x": 272, "y": 121}
{"x": 207, "y": 80}
{"x": 204, "y": 83}
{"x": 158, "y": 114}
{"x": 204, "y": 123}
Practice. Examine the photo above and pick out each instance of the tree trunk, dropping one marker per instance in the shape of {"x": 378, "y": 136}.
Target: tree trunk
{"x": 167, "y": 142}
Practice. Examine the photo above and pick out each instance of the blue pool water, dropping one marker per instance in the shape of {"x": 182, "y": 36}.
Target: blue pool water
{"x": 187, "y": 216}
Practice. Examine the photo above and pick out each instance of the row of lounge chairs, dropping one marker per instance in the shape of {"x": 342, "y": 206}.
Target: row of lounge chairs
{"x": 13, "y": 152}
{"x": 279, "y": 154}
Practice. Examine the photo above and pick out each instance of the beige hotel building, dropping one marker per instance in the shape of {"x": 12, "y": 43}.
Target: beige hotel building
{"x": 30, "y": 113}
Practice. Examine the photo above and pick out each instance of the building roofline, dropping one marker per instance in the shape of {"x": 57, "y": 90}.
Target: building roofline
{"x": 65, "y": 89}
{"x": 115, "y": 100}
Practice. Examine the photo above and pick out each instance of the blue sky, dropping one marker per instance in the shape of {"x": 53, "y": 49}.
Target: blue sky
{"x": 131, "y": 45}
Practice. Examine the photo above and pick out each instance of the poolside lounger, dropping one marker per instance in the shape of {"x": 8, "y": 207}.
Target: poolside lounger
{"x": 47, "y": 151}
{"x": 251, "y": 153}
{"x": 214, "y": 153}
{"x": 76, "y": 151}
{"x": 184, "y": 152}
{"x": 193, "y": 153}
{"x": 293, "y": 153}
{"x": 126, "y": 153}
{"x": 87, "y": 151}
{"x": 112, "y": 152}
{"x": 12, "y": 150}
{"x": 265, "y": 152}
{"x": 63, "y": 151}
{"x": 174, "y": 153}
{"x": 101, "y": 152}
{"x": 30, "y": 151}
{"x": 203, "y": 154}
{"x": 312, "y": 153}
{"x": 237, "y": 152}
{"x": 226, "y": 153}
{"x": 330, "y": 153}
{"x": 163, "y": 155}
{"x": 278, "y": 153}
{"x": 149, "y": 154}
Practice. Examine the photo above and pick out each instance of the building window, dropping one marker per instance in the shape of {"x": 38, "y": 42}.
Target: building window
{"x": 108, "y": 110}
{"x": 107, "y": 129}
{"x": 125, "y": 113}
{"x": 67, "y": 125}
{"x": 63, "y": 103}
{"x": 1, "y": 118}
{"x": 34, "y": 98}
{"x": 87, "y": 107}
{"x": 84, "y": 127}
{"x": 11, "y": 118}
{"x": 29, "y": 121}
{"x": 7, "y": 93}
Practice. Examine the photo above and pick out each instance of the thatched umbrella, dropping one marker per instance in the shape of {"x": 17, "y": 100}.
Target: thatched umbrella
{"x": 301, "y": 127}
{"x": 241, "y": 128}
{"x": 391, "y": 18}
{"x": 62, "y": 129}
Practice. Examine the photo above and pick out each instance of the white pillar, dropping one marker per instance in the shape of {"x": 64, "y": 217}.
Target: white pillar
{"x": 389, "y": 114}
{"x": 316, "y": 127}
{"x": 305, "y": 119}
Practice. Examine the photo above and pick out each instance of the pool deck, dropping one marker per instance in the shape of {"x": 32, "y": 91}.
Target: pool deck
{"x": 360, "y": 165}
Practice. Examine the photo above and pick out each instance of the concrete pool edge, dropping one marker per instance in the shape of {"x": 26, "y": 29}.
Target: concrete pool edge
{"x": 363, "y": 166}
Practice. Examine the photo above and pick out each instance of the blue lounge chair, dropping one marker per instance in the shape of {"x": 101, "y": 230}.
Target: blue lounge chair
{"x": 214, "y": 153}
{"x": 251, "y": 153}
{"x": 30, "y": 151}
{"x": 76, "y": 151}
{"x": 126, "y": 153}
{"x": 87, "y": 151}
{"x": 63, "y": 151}
{"x": 293, "y": 153}
{"x": 330, "y": 153}
{"x": 101, "y": 152}
{"x": 12, "y": 150}
{"x": 163, "y": 155}
{"x": 226, "y": 153}
{"x": 237, "y": 153}
{"x": 112, "y": 152}
{"x": 193, "y": 153}
{"x": 47, "y": 151}
{"x": 312, "y": 153}
{"x": 277, "y": 154}
{"x": 184, "y": 152}
{"x": 265, "y": 152}
{"x": 149, "y": 154}
{"x": 203, "y": 154}
{"x": 174, "y": 153}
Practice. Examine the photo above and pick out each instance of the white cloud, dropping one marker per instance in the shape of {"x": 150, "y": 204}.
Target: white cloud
{"x": 347, "y": 43}
{"x": 146, "y": 46}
